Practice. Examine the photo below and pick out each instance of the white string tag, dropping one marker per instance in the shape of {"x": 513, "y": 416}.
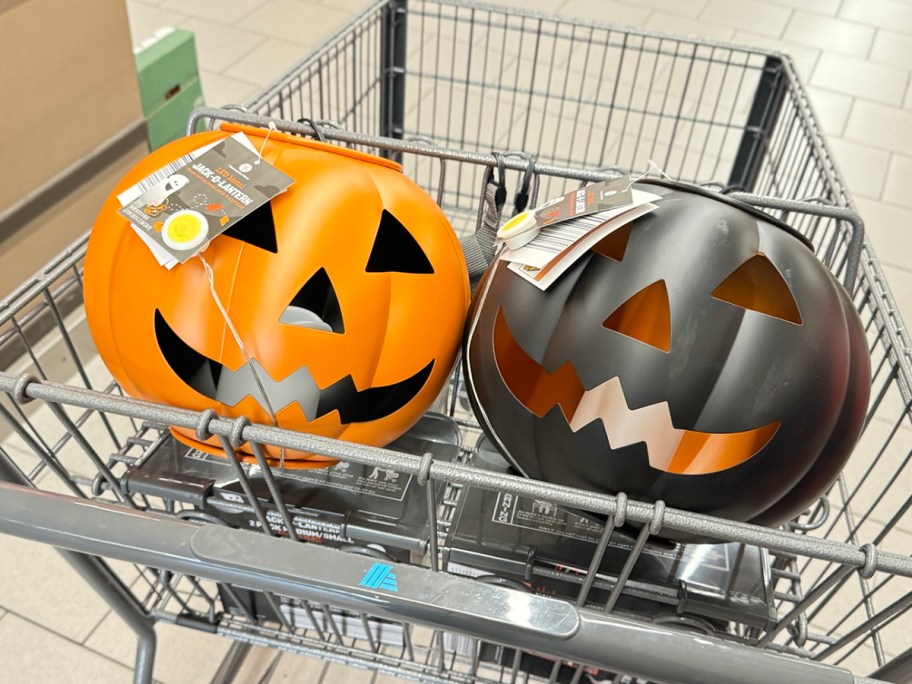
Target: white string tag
{"x": 271, "y": 127}
{"x": 237, "y": 338}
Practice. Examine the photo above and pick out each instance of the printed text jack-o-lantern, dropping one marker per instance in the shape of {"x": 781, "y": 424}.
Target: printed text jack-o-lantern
{"x": 700, "y": 354}
{"x": 348, "y": 291}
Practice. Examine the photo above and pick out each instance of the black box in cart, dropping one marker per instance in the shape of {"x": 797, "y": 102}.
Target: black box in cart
{"x": 549, "y": 548}
{"x": 347, "y": 504}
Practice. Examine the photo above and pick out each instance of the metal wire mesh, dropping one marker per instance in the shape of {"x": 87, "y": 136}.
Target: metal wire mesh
{"x": 582, "y": 101}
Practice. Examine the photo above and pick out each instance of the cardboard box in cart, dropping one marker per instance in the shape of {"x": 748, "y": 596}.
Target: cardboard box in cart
{"x": 169, "y": 83}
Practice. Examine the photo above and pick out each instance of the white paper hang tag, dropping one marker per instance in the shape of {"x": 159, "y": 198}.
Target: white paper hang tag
{"x": 543, "y": 266}
{"x": 590, "y": 199}
{"x": 554, "y": 239}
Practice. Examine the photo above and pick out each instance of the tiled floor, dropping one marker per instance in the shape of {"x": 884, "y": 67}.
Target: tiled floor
{"x": 855, "y": 57}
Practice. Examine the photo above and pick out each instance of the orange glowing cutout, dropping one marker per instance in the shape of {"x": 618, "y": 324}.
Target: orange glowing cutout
{"x": 670, "y": 449}
{"x": 614, "y": 245}
{"x": 758, "y": 286}
{"x": 646, "y": 317}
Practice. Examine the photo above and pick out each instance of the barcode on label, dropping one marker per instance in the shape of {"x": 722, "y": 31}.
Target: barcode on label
{"x": 557, "y": 238}
{"x": 163, "y": 173}
{"x": 160, "y": 176}
{"x": 154, "y": 179}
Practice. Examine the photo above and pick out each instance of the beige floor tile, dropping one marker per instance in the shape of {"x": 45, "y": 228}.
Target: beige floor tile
{"x": 39, "y": 584}
{"x": 832, "y": 110}
{"x": 219, "y": 46}
{"x": 296, "y": 22}
{"x": 888, "y": 128}
{"x": 545, "y": 6}
{"x": 22, "y": 456}
{"x": 829, "y": 7}
{"x": 891, "y": 47}
{"x": 863, "y": 167}
{"x": 894, "y": 15}
{"x": 354, "y": 7}
{"x": 296, "y": 669}
{"x": 827, "y": 33}
{"x": 686, "y": 8}
{"x": 863, "y": 660}
{"x": 686, "y": 26}
{"x": 183, "y": 655}
{"x": 899, "y": 180}
{"x": 256, "y": 665}
{"x": 146, "y": 19}
{"x": 32, "y": 654}
{"x": 757, "y": 17}
{"x": 231, "y": 14}
{"x": 266, "y": 62}
{"x": 220, "y": 90}
{"x": 860, "y": 78}
{"x": 869, "y": 476}
{"x": 900, "y": 283}
{"x": 887, "y": 227}
{"x": 608, "y": 11}
{"x": 803, "y": 58}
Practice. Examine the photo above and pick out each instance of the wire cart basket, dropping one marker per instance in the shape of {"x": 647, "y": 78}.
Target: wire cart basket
{"x": 388, "y": 560}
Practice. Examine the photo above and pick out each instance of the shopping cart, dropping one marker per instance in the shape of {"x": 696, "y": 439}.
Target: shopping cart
{"x": 490, "y": 111}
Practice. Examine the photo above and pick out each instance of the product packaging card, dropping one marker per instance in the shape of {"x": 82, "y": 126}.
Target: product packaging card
{"x": 557, "y": 247}
{"x": 178, "y": 209}
{"x": 600, "y": 196}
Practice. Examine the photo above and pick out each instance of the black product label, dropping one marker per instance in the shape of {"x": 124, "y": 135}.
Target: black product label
{"x": 309, "y": 529}
{"x": 379, "y": 482}
{"x": 545, "y": 517}
{"x": 370, "y": 481}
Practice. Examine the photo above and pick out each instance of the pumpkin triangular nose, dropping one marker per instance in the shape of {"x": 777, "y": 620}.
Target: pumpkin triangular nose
{"x": 315, "y": 306}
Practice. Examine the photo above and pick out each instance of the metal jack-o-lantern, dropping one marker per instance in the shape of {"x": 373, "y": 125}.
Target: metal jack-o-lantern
{"x": 348, "y": 292}
{"x": 700, "y": 355}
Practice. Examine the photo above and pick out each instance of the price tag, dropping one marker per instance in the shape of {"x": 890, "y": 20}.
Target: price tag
{"x": 570, "y": 225}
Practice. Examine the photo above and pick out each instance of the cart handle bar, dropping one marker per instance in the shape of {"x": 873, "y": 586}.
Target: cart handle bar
{"x": 407, "y": 593}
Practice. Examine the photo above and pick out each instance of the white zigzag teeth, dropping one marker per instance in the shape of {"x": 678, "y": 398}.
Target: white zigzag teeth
{"x": 300, "y": 386}
{"x": 623, "y": 427}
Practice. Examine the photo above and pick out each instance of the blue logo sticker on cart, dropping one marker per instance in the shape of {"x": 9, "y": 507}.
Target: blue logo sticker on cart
{"x": 380, "y": 576}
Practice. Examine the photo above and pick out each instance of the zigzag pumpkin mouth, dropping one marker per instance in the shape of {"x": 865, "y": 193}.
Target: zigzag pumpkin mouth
{"x": 670, "y": 449}
{"x": 219, "y": 383}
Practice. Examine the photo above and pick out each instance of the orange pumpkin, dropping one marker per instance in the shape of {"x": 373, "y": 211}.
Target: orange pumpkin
{"x": 348, "y": 291}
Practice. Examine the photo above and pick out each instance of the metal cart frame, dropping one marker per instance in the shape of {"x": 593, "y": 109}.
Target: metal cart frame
{"x": 841, "y": 571}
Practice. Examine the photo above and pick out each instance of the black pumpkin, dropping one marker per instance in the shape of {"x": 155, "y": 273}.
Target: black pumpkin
{"x": 701, "y": 354}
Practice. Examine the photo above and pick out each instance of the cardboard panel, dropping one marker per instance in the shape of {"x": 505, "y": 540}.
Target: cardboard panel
{"x": 68, "y": 83}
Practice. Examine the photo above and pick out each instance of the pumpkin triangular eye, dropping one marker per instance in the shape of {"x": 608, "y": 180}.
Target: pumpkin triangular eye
{"x": 257, "y": 229}
{"x": 757, "y": 285}
{"x": 395, "y": 249}
{"x": 646, "y": 317}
